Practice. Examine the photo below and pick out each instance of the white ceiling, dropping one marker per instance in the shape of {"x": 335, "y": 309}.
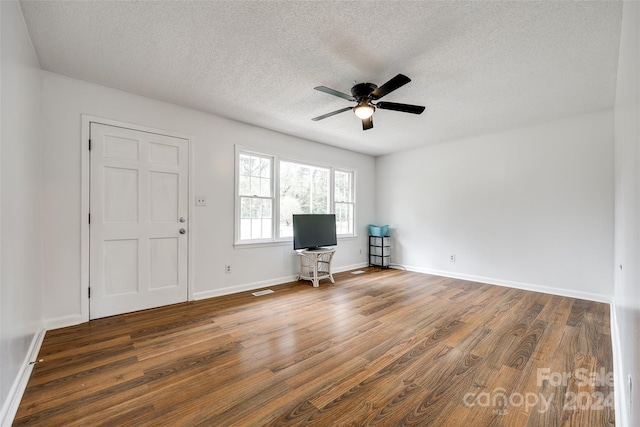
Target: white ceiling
{"x": 478, "y": 67}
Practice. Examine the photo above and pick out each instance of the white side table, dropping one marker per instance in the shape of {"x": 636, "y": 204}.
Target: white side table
{"x": 315, "y": 265}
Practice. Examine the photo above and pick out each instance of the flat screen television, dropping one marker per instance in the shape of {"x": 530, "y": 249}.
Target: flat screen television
{"x": 312, "y": 231}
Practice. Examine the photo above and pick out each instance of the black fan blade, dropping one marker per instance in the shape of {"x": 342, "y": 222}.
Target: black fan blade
{"x": 333, "y": 113}
{"x": 367, "y": 123}
{"x": 390, "y": 86}
{"x": 334, "y": 93}
{"x": 405, "y": 108}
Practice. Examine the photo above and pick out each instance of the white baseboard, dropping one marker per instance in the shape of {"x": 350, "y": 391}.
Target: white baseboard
{"x": 350, "y": 267}
{"x": 11, "y": 404}
{"x": 262, "y": 284}
{"x": 517, "y": 285}
{"x": 620, "y": 389}
{"x": 242, "y": 288}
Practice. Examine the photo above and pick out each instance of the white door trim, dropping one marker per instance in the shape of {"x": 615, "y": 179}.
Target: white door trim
{"x": 84, "y": 204}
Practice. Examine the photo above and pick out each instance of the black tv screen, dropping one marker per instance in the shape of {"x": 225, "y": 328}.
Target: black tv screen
{"x": 314, "y": 230}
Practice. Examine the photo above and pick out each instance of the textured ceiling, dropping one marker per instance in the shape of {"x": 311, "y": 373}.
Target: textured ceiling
{"x": 478, "y": 67}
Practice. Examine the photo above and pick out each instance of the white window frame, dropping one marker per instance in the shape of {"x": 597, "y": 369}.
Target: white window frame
{"x": 238, "y": 197}
{"x": 353, "y": 196}
{"x": 275, "y": 219}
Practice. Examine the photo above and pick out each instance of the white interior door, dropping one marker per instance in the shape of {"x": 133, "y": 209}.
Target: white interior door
{"x": 138, "y": 212}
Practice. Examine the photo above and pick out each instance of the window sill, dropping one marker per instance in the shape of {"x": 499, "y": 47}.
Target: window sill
{"x": 280, "y": 243}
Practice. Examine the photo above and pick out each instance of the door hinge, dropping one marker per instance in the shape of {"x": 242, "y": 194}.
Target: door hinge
{"x": 89, "y": 145}
{"x": 89, "y": 292}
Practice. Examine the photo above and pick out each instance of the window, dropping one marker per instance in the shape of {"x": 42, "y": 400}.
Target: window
{"x": 344, "y": 202}
{"x": 255, "y": 192}
{"x": 271, "y": 190}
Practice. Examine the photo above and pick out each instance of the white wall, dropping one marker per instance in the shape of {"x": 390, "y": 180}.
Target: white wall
{"x": 20, "y": 201}
{"x": 626, "y": 329}
{"x": 529, "y": 207}
{"x": 66, "y": 99}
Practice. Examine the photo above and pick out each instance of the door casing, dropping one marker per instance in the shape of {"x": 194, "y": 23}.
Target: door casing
{"x": 84, "y": 206}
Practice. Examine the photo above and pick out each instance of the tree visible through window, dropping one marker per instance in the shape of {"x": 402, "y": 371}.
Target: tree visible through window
{"x": 303, "y": 190}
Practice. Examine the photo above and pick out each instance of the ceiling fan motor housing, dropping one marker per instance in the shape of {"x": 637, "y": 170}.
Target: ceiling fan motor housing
{"x": 363, "y": 90}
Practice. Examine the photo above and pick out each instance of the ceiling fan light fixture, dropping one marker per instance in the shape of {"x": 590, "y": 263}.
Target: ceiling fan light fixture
{"x": 364, "y": 110}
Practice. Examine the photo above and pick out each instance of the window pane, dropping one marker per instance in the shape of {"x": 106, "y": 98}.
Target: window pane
{"x": 245, "y": 229}
{"x": 266, "y": 227}
{"x": 256, "y": 228}
{"x": 245, "y": 207}
{"x": 254, "y": 176}
{"x": 304, "y": 189}
{"x": 344, "y": 186}
{"x": 339, "y": 189}
{"x": 288, "y": 206}
{"x": 244, "y": 185}
{"x": 254, "y": 186}
{"x": 255, "y": 166}
{"x": 256, "y": 208}
{"x": 265, "y": 187}
{"x": 256, "y": 218}
{"x": 320, "y": 192}
{"x": 245, "y": 165}
{"x": 343, "y": 201}
{"x": 265, "y": 168}
{"x": 266, "y": 209}
{"x": 344, "y": 218}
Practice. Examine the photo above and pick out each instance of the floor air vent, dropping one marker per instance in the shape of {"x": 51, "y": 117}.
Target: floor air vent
{"x": 260, "y": 293}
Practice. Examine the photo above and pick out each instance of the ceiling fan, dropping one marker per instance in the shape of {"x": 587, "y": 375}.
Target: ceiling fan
{"x": 364, "y": 94}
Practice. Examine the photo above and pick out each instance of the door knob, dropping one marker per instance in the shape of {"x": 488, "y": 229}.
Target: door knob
{"x": 182, "y": 231}
{"x": 182, "y": 219}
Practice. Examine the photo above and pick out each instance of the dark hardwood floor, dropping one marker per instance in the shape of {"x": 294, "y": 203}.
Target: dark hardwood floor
{"x": 385, "y": 348}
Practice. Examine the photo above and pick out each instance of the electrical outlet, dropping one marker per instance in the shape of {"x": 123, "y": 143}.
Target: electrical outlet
{"x": 201, "y": 201}
{"x": 227, "y": 269}
{"x": 452, "y": 258}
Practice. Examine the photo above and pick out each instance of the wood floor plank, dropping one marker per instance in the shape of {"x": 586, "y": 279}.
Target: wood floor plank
{"x": 46, "y": 396}
{"x": 385, "y": 348}
{"x": 527, "y": 345}
{"x": 562, "y": 364}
